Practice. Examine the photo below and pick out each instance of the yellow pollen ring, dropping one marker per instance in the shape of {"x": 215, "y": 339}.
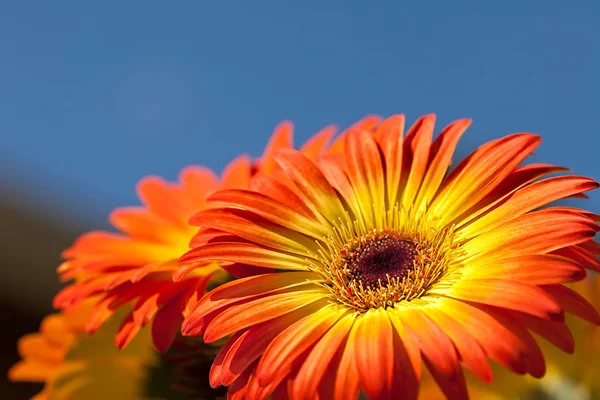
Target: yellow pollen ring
{"x": 433, "y": 250}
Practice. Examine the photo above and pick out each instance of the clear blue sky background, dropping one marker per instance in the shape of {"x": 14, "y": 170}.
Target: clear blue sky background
{"x": 96, "y": 94}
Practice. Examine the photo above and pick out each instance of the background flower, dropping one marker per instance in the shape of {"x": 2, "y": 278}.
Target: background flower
{"x": 138, "y": 265}
{"x": 75, "y": 365}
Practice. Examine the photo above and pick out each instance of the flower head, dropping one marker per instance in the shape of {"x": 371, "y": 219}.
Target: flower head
{"x": 73, "y": 364}
{"x": 137, "y": 265}
{"x": 386, "y": 262}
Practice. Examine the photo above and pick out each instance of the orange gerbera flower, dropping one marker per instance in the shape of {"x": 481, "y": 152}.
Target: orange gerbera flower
{"x": 390, "y": 263}
{"x": 138, "y": 264}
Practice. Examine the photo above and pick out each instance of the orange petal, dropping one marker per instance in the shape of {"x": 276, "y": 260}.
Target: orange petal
{"x": 345, "y": 376}
{"x": 367, "y": 124}
{"x": 512, "y": 295}
{"x": 481, "y": 172}
{"x": 248, "y": 346}
{"x": 31, "y": 371}
{"x": 442, "y": 151}
{"x": 471, "y": 353}
{"x": 142, "y": 224}
{"x": 126, "y": 332}
{"x": 163, "y": 199}
{"x": 218, "y": 373}
{"x": 237, "y": 173}
{"x": 365, "y": 172}
{"x": 243, "y": 315}
{"x": 534, "y": 361}
{"x": 278, "y": 191}
{"x": 374, "y": 353}
{"x": 416, "y": 149}
{"x": 280, "y": 139}
{"x": 497, "y": 340}
{"x": 580, "y": 255}
{"x": 311, "y": 372}
{"x": 591, "y": 246}
{"x": 270, "y": 209}
{"x": 317, "y": 193}
{"x": 55, "y": 330}
{"x": 573, "y": 303}
{"x": 534, "y": 269}
{"x": 239, "y": 388}
{"x": 529, "y": 198}
{"x": 517, "y": 179}
{"x": 537, "y": 232}
{"x": 241, "y": 290}
{"x": 277, "y": 360}
{"x": 253, "y": 228}
{"x": 197, "y": 182}
{"x": 317, "y": 144}
{"x": 409, "y": 354}
{"x": 438, "y": 352}
{"x": 335, "y": 174}
{"x": 119, "y": 249}
{"x": 167, "y": 324}
{"x": 556, "y": 332}
{"x": 390, "y": 138}
{"x": 245, "y": 253}
{"x": 35, "y": 346}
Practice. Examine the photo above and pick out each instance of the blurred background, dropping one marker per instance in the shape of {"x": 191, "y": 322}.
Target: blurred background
{"x": 95, "y": 95}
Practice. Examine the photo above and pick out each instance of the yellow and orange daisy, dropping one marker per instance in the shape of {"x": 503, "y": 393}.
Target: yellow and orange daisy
{"x": 386, "y": 262}
{"x": 137, "y": 264}
{"x": 75, "y": 365}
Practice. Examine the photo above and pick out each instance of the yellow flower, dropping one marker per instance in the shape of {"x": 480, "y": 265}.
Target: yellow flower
{"x": 76, "y": 365}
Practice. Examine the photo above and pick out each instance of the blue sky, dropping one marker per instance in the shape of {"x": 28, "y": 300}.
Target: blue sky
{"x": 95, "y": 95}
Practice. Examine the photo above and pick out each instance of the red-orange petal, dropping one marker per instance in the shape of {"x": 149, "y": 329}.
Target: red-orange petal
{"x": 470, "y": 351}
{"x": 239, "y": 291}
{"x": 312, "y": 185}
{"x": 390, "y": 137}
{"x": 573, "y": 303}
{"x": 416, "y": 148}
{"x": 365, "y": 173}
{"x": 319, "y": 359}
{"x": 245, "y": 253}
{"x": 512, "y": 295}
{"x": 278, "y": 358}
{"x": 374, "y": 353}
{"x": 316, "y": 145}
{"x": 439, "y": 353}
{"x": 282, "y": 138}
{"x": 442, "y": 151}
{"x": 481, "y": 172}
{"x": 533, "y": 269}
{"x": 497, "y": 340}
{"x": 270, "y": 209}
{"x": 531, "y": 197}
{"x": 246, "y": 314}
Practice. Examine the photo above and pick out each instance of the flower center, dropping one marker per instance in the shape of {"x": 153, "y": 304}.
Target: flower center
{"x": 376, "y": 268}
{"x": 376, "y": 263}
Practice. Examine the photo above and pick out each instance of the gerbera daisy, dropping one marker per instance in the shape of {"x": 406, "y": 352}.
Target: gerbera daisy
{"x": 387, "y": 262}
{"x": 75, "y": 365}
{"x": 137, "y": 264}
